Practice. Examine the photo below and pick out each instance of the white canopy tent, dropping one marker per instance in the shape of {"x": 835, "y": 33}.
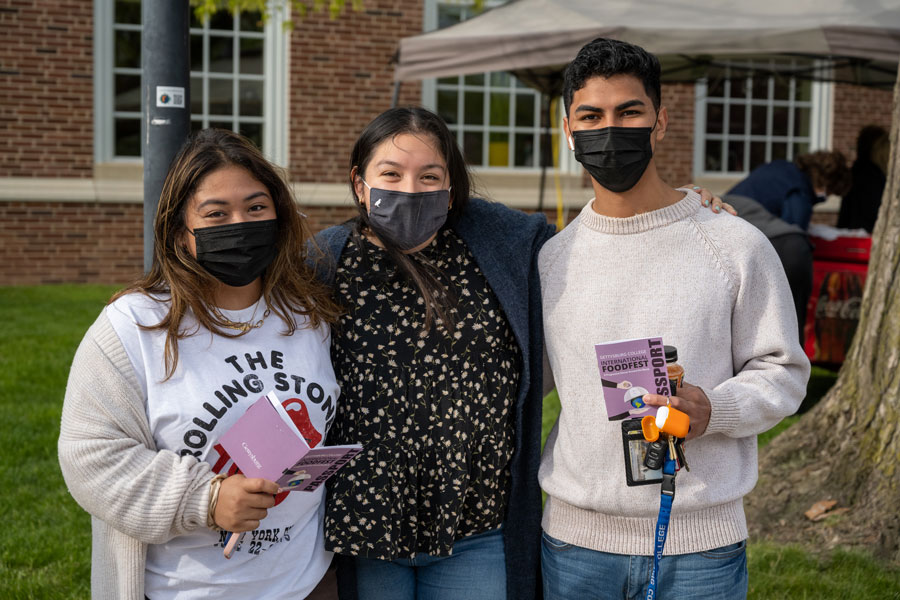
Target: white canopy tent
{"x": 854, "y": 40}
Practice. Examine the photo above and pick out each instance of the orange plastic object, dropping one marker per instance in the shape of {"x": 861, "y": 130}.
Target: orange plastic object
{"x": 672, "y": 421}
{"x": 649, "y": 428}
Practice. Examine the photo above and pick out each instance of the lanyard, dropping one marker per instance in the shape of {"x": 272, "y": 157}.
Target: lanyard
{"x": 666, "y": 497}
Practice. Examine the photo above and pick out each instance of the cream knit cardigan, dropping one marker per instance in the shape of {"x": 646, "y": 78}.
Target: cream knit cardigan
{"x": 136, "y": 494}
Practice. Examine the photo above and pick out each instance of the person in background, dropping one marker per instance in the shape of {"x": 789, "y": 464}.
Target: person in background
{"x": 789, "y": 190}
{"x": 439, "y": 356}
{"x": 792, "y": 246}
{"x": 644, "y": 260}
{"x": 859, "y": 208}
{"x": 228, "y": 311}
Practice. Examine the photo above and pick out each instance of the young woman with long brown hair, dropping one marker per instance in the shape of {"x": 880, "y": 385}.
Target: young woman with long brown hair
{"x": 228, "y": 311}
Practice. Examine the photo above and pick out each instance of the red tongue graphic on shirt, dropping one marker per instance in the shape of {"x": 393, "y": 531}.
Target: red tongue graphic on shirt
{"x": 300, "y": 416}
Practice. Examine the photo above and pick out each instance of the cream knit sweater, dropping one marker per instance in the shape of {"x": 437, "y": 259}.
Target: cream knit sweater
{"x": 712, "y": 286}
{"x": 135, "y": 494}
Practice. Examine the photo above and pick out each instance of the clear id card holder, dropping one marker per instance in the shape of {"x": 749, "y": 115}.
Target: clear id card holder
{"x": 636, "y": 447}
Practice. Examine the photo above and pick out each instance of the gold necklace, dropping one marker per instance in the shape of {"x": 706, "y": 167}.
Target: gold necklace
{"x": 243, "y": 327}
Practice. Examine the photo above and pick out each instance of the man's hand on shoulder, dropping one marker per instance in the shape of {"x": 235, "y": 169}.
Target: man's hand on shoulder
{"x": 691, "y": 400}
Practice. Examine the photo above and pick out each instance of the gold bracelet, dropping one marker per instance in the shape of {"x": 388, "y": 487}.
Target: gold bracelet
{"x": 214, "y": 485}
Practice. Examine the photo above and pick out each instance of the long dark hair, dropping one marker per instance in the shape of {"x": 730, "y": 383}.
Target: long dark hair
{"x": 416, "y": 121}
{"x": 289, "y": 285}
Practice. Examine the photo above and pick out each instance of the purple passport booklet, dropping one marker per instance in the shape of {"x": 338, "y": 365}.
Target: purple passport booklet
{"x": 628, "y": 370}
{"x": 266, "y": 442}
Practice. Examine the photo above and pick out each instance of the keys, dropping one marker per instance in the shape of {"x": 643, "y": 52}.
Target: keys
{"x": 679, "y": 453}
{"x": 671, "y": 440}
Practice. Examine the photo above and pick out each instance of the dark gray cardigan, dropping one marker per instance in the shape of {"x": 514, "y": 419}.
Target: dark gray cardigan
{"x": 505, "y": 244}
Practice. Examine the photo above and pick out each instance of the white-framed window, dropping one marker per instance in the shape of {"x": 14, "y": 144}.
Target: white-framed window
{"x": 748, "y": 116}
{"x": 496, "y": 118}
{"x": 237, "y": 75}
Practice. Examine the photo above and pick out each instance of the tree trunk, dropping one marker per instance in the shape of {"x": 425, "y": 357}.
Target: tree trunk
{"x": 847, "y": 447}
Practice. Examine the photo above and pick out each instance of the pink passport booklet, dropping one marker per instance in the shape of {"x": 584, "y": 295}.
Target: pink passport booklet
{"x": 265, "y": 442}
{"x": 628, "y": 370}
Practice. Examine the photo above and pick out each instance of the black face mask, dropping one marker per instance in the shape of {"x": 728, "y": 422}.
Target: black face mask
{"x": 237, "y": 253}
{"x": 616, "y": 157}
{"x": 407, "y": 219}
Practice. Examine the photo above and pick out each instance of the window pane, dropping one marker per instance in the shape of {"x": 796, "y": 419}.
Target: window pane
{"x": 713, "y": 160}
{"x": 472, "y": 147}
{"x": 448, "y": 15}
{"x": 221, "y": 54}
{"x": 780, "y": 120}
{"x": 803, "y": 90}
{"x": 779, "y": 151}
{"x": 736, "y": 156}
{"x": 448, "y": 81}
{"x": 196, "y": 126}
{"x": 524, "y": 150}
{"x": 782, "y": 88}
{"x": 196, "y": 96}
{"x": 802, "y": 118}
{"x": 251, "y": 98}
{"x": 128, "y": 49}
{"x": 474, "y": 108}
{"x": 253, "y": 131}
{"x": 715, "y": 115}
{"x": 761, "y": 87}
{"x": 128, "y": 93}
{"x": 499, "y": 109}
{"x": 736, "y": 116}
{"x": 499, "y": 150}
{"x": 800, "y": 149}
{"x": 128, "y": 11}
{"x": 739, "y": 87}
{"x": 757, "y": 154}
{"x": 128, "y": 137}
{"x": 447, "y": 102}
{"x": 251, "y": 56}
{"x": 500, "y": 79}
{"x": 758, "y": 120}
{"x": 251, "y": 21}
{"x": 525, "y": 110}
{"x": 221, "y": 97}
{"x": 196, "y": 52}
{"x": 716, "y": 88}
{"x": 477, "y": 79}
{"x": 222, "y": 124}
{"x": 222, "y": 20}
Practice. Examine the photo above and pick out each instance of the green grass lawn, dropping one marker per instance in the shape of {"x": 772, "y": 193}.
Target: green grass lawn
{"x": 45, "y": 546}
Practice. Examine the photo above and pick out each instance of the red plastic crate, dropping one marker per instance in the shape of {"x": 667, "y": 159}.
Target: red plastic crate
{"x": 843, "y": 249}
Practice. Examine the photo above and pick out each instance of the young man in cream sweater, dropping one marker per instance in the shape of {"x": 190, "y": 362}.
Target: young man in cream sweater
{"x": 643, "y": 260}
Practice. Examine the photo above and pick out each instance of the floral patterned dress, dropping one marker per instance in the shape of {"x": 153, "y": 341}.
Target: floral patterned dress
{"x": 434, "y": 413}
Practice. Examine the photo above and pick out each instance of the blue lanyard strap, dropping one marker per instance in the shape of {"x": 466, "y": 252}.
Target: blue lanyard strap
{"x": 666, "y": 497}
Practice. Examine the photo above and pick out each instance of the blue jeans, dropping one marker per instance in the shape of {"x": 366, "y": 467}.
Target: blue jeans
{"x": 475, "y": 571}
{"x": 574, "y": 572}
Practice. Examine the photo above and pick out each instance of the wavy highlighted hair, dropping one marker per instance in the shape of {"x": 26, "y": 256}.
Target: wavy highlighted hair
{"x": 289, "y": 284}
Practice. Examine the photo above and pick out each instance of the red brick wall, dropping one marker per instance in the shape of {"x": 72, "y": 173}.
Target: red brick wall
{"x": 46, "y": 88}
{"x": 675, "y": 154}
{"x": 87, "y": 242}
{"x": 342, "y": 77}
{"x": 854, "y": 108}
{"x": 55, "y": 242}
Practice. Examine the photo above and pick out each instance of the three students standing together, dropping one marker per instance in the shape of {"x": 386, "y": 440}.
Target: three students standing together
{"x": 434, "y": 302}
